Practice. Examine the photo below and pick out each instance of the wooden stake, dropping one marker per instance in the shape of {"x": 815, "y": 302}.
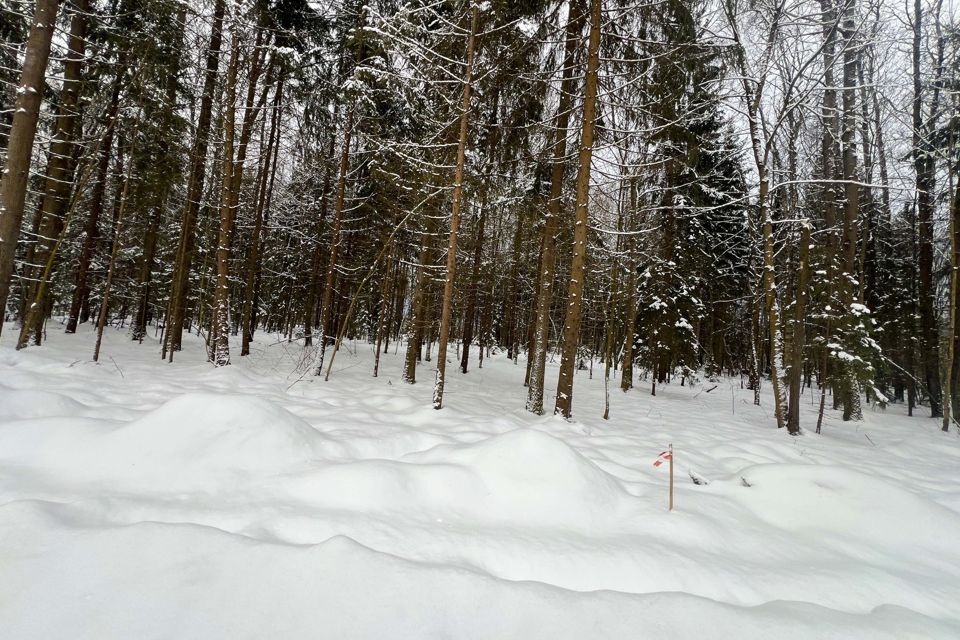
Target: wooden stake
{"x": 670, "y": 449}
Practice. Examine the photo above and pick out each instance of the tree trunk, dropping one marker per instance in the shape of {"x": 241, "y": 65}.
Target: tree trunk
{"x": 59, "y": 176}
{"x": 253, "y": 256}
{"x": 543, "y": 300}
{"x": 770, "y": 294}
{"x": 954, "y": 301}
{"x": 311, "y": 318}
{"x": 630, "y": 306}
{"x": 13, "y": 184}
{"x": 220, "y": 326}
{"x": 233, "y": 179}
{"x": 925, "y": 169}
{"x": 799, "y": 330}
{"x": 177, "y": 308}
{"x": 486, "y": 306}
{"x": 81, "y": 291}
{"x": 139, "y": 327}
{"x": 512, "y": 300}
{"x": 611, "y": 313}
{"x": 470, "y": 312}
{"x": 447, "y": 306}
{"x": 386, "y": 296}
{"x": 571, "y": 325}
{"x": 115, "y": 245}
{"x": 849, "y": 385}
{"x": 418, "y": 325}
{"x": 326, "y": 310}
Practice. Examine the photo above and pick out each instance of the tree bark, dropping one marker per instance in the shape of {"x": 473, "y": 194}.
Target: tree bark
{"x": 849, "y": 386}
{"x": 954, "y": 301}
{"x": 232, "y": 182}
{"x": 795, "y": 373}
{"x": 220, "y": 327}
{"x": 139, "y": 327}
{"x": 925, "y": 170}
{"x": 470, "y": 312}
{"x": 59, "y": 176}
{"x": 253, "y": 256}
{"x": 447, "y": 306}
{"x": 81, "y": 291}
{"x": 571, "y": 326}
{"x": 145, "y": 280}
{"x": 326, "y": 310}
{"x": 418, "y": 324}
{"x": 13, "y": 185}
{"x": 630, "y": 305}
{"x": 543, "y": 300}
{"x": 611, "y": 313}
{"x": 512, "y": 299}
{"x": 177, "y": 308}
{"x": 115, "y": 245}
{"x": 311, "y": 318}
{"x": 386, "y": 296}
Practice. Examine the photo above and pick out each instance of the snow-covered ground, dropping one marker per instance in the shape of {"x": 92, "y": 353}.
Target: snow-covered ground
{"x": 140, "y": 499}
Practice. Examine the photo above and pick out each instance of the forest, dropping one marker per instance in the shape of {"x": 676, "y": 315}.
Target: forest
{"x": 669, "y": 189}
{"x": 479, "y": 319}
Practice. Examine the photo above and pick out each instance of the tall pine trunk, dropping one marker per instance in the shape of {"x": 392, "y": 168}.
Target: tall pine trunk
{"x": 469, "y": 320}
{"x": 247, "y": 320}
{"x": 13, "y": 184}
{"x": 795, "y": 373}
{"x": 177, "y": 307}
{"x": 630, "y": 303}
{"x": 417, "y": 326}
{"x": 543, "y": 300}
{"x": 310, "y": 315}
{"x": 386, "y": 297}
{"x": 571, "y": 325}
{"x": 81, "y": 292}
{"x": 925, "y": 170}
{"x": 138, "y": 329}
{"x": 447, "y": 305}
{"x": 849, "y": 386}
{"x": 326, "y": 309}
{"x": 118, "y": 220}
{"x": 220, "y": 327}
{"x": 58, "y": 181}
{"x": 950, "y": 369}
{"x": 232, "y": 183}
{"x": 511, "y": 302}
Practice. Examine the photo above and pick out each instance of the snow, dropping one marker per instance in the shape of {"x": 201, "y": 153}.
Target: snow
{"x": 140, "y": 499}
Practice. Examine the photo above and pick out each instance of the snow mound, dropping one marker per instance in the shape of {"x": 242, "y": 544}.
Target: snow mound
{"x": 531, "y": 466}
{"x": 836, "y": 501}
{"x": 18, "y": 404}
{"x": 225, "y": 432}
{"x": 195, "y": 442}
{"x": 524, "y": 478}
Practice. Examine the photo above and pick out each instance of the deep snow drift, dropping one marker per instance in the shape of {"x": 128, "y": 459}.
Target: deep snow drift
{"x": 140, "y": 499}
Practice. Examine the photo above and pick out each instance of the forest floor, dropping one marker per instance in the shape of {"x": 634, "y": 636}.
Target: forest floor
{"x": 140, "y": 499}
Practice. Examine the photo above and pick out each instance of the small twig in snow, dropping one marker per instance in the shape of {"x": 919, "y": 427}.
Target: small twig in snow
{"x": 117, "y": 366}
